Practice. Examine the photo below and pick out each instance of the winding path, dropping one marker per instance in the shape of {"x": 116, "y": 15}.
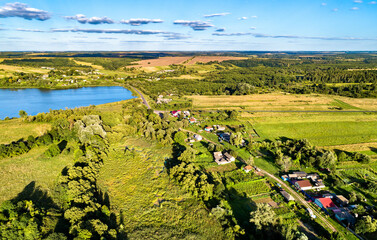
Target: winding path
{"x": 142, "y": 98}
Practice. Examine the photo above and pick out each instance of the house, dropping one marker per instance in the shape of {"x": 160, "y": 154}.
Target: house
{"x": 192, "y": 120}
{"x": 247, "y": 168}
{"x": 287, "y": 196}
{"x": 223, "y": 159}
{"x": 208, "y": 129}
{"x": 342, "y": 200}
{"x": 224, "y": 136}
{"x": 325, "y": 203}
{"x": 176, "y": 113}
{"x": 186, "y": 113}
{"x": 343, "y": 215}
{"x": 197, "y": 137}
{"x": 303, "y": 184}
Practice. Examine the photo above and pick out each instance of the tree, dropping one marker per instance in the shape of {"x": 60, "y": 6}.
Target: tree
{"x": 366, "y": 225}
{"x": 22, "y": 113}
{"x": 263, "y": 216}
{"x": 180, "y": 137}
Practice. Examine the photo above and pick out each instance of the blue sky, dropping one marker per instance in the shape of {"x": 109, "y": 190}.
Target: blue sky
{"x": 200, "y": 25}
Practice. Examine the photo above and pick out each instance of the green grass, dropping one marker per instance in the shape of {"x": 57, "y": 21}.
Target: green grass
{"x": 136, "y": 184}
{"x": 17, "y": 172}
{"x": 321, "y": 133}
{"x": 13, "y": 130}
{"x": 343, "y": 105}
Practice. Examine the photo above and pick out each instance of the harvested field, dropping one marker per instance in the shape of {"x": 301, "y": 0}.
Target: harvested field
{"x": 355, "y": 147}
{"x": 206, "y": 59}
{"x": 188, "y": 60}
{"x": 162, "y": 61}
{"x": 280, "y": 101}
{"x": 22, "y": 69}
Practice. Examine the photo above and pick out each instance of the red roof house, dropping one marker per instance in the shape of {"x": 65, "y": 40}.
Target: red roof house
{"x": 325, "y": 203}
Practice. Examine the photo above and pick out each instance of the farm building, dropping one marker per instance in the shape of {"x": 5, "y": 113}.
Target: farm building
{"x": 342, "y": 214}
{"x": 223, "y": 159}
{"x": 342, "y": 200}
{"x": 287, "y": 196}
{"x": 313, "y": 176}
{"x": 303, "y": 184}
{"x": 325, "y": 203}
{"x": 319, "y": 184}
{"x": 247, "y": 168}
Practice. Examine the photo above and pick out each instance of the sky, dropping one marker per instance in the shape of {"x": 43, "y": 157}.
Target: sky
{"x": 194, "y": 25}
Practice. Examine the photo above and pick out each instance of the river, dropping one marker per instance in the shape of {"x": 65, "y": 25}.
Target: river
{"x": 35, "y": 101}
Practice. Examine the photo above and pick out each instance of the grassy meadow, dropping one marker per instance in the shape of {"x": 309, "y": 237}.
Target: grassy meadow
{"x": 151, "y": 205}
{"x": 33, "y": 167}
{"x": 13, "y": 130}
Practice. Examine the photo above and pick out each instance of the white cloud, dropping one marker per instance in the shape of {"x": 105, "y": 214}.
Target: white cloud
{"x": 216, "y": 15}
{"x": 140, "y": 21}
{"x": 354, "y": 9}
{"x": 358, "y": 1}
{"x": 372, "y": 2}
{"x": 119, "y": 31}
{"x": 29, "y": 30}
{"x": 253, "y": 28}
{"x": 335, "y": 10}
{"x": 81, "y": 18}
{"x": 324, "y": 4}
{"x": 220, "y": 30}
{"x": 242, "y": 18}
{"x": 195, "y": 25}
{"x": 23, "y": 11}
{"x": 254, "y": 16}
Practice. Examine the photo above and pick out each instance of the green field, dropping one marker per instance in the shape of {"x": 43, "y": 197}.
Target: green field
{"x": 321, "y": 133}
{"x": 252, "y": 188}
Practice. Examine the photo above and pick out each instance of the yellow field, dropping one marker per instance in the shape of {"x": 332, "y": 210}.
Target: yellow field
{"x": 281, "y": 101}
{"x": 88, "y": 64}
{"x": 10, "y": 68}
{"x": 355, "y": 147}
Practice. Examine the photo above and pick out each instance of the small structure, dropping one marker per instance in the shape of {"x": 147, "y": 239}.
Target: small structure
{"x": 325, "y": 203}
{"x": 313, "y": 176}
{"x": 287, "y": 196}
{"x": 219, "y": 128}
{"x": 223, "y": 159}
{"x": 303, "y": 185}
{"x": 327, "y": 195}
{"x": 300, "y": 175}
{"x": 192, "y": 120}
{"x": 197, "y": 137}
{"x": 284, "y": 177}
{"x": 208, "y": 129}
{"x": 342, "y": 200}
{"x": 247, "y": 168}
{"x": 186, "y": 113}
{"x": 311, "y": 213}
{"x": 292, "y": 176}
{"x": 319, "y": 184}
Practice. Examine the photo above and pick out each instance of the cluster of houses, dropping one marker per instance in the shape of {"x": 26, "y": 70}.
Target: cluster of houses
{"x": 304, "y": 181}
{"x": 213, "y": 128}
{"x": 328, "y": 202}
{"x": 186, "y": 114}
{"x": 221, "y": 158}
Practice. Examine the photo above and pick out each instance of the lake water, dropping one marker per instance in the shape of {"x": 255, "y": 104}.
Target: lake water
{"x": 35, "y": 101}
